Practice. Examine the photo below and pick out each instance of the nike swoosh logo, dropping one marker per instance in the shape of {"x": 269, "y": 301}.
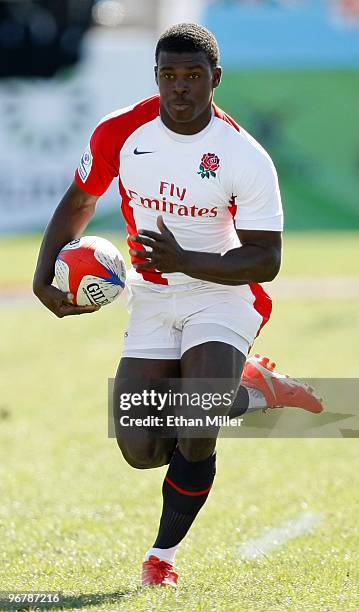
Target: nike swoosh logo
{"x": 137, "y": 152}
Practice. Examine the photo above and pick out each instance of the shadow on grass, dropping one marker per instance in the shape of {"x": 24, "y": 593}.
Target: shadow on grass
{"x": 70, "y": 602}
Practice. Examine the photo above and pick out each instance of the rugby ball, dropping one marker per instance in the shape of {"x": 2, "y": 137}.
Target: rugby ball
{"x": 92, "y": 269}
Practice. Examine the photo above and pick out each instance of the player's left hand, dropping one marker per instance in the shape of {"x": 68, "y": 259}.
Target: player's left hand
{"x": 165, "y": 255}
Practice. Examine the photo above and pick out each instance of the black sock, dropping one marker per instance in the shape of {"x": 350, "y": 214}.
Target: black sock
{"x": 185, "y": 489}
{"x": 240, "y": 404}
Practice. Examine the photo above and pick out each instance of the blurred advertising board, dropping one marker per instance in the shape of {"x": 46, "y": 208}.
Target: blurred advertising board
{"x": 46, "y": 124}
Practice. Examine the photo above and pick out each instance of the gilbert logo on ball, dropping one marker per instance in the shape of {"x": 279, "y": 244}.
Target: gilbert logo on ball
{"x": 92, "y": 269}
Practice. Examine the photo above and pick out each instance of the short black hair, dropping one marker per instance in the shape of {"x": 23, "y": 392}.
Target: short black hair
{"x": 189, "y": 37}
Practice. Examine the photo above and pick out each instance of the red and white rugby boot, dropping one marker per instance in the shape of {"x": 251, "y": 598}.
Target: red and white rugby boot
{"x": 279, "y": 390}
{"x": 156, "y": 572}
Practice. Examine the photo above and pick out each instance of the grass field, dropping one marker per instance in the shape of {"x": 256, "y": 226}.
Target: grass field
{"x": 75, "y": 517}
{"x": 305, "y": 254}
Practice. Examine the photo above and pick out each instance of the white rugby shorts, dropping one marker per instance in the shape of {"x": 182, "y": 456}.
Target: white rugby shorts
{"x": 166, "y": 321}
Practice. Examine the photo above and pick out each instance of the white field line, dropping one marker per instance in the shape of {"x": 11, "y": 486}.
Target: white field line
{"x": 277, "y": 536}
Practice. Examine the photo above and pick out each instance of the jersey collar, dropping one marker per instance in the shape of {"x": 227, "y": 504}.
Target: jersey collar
{"x": 187, "y": 137}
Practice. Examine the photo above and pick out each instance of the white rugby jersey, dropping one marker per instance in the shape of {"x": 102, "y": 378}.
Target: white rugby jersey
{"x": 205, "y": 185}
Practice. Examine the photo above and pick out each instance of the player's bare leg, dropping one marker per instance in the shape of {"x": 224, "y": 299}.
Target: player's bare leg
{"x": 192, "y": 467}
{"x": 193, "y": 460}
{"x": 143, "y": 449}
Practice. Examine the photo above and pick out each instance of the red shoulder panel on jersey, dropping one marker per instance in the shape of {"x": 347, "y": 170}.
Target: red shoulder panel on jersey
{"x": 106, "y": 143}
{"x": 101, "y": 166}
{"x": 218, "y": 112}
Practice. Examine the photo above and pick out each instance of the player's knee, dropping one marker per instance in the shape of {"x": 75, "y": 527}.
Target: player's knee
{"x": 197, "y": 449}
{"x": 144, "y": 454}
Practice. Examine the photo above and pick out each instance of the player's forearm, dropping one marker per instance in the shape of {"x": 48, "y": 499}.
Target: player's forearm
{"x": 248, "y": 263}
{"x": 68, "y": 222}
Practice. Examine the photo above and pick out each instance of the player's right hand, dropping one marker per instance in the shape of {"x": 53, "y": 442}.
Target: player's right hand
{"x": 60, "y": 303}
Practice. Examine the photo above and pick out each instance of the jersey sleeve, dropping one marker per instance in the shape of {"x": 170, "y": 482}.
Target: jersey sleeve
{"x": 97, "y": 167}
{"x": 256, "y": 191}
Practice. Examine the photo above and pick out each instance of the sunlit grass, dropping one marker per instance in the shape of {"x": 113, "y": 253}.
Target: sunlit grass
{"x": 75, "y": 517}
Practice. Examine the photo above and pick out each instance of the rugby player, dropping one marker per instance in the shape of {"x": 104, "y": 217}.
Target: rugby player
{"x": 202, "y": 205}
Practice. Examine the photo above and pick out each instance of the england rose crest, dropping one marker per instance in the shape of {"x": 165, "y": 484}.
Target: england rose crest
{"x": 208, "y": 166}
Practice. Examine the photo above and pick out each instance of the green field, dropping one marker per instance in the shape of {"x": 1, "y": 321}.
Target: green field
{"x": 75, "y": 517}
{"x": 294, "y": 115}
{"x": 305, "y": 254}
